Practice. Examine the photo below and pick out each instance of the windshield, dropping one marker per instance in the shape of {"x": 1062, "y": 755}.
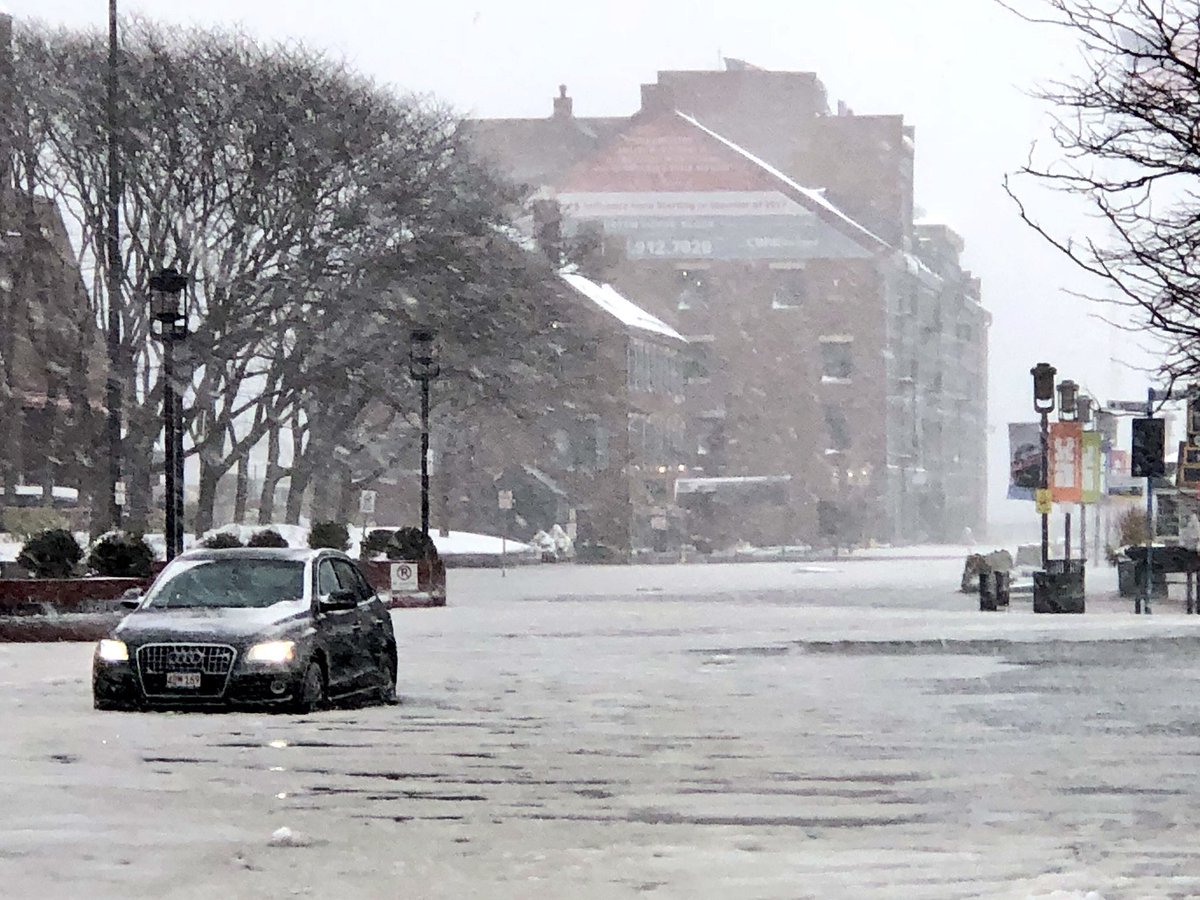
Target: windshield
{"x": 230, "y": 583}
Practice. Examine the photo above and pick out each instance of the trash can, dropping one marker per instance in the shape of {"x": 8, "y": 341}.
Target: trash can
{"x": 1003, "y": 587}
{"x": 987, "y": 592}
{"x": 1060, "y": 588}
{"x": 1127, "y": 579}
{"x": 993, "y": 590}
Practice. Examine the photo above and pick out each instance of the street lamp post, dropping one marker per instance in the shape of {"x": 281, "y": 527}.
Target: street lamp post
{"x": 114, "y": 386}
{"x": 1067, "y": 412}
{"x": 167, "y": 308}
{"x": 1083, "y": 413}
{"x": 1043, "y": 403}
{"x": 423, "y": 367}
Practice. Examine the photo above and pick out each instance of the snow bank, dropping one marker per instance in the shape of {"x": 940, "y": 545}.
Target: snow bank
{"x": 457, "y": 543}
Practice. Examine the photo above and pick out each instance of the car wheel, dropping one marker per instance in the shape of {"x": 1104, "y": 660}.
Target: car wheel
{"x": 108, "y": 705}
{"x": 387, "y": 691}
{"x": 312, "y": 690}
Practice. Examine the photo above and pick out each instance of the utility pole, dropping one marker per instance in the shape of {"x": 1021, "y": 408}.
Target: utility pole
{"x": 113, "y": 394}
{"x": 1149, "y": 517}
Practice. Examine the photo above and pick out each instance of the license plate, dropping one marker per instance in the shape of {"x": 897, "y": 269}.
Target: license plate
{"x": 183, "y": 679}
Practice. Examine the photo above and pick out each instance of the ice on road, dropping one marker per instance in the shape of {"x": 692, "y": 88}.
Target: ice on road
{"x": 846, "y": 728}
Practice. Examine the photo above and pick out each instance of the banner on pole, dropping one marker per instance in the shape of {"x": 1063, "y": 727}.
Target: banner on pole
{"x": 1066, "y": 462}
{"x": 1093, "y": 467}
{"x": 1025, "y": 459}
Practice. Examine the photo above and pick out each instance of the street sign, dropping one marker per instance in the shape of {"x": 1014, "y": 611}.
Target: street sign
{"x": 1173, "y": 394}
{"x": 505, "y": 499}
{"x": 404, "y": 577}
{"x": 1137, "y": 406}
{"x": 366, "y": 502}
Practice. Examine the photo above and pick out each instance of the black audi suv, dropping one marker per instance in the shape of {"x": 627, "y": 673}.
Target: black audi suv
{"x": 291, "y": 629}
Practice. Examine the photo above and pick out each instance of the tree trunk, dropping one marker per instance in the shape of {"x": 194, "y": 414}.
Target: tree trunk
{"x": 242, "y": 490}
{"x": 297, "y": 488}
{"x": 345, "y": 507}
{"x": 139, "y": 473}
{"x": 271, "y": 477}
{"x": 206, "y": 502}
{"x": 323, "y": 496}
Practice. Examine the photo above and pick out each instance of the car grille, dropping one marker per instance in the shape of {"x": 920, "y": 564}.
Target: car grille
{"x": 212, "y": 662}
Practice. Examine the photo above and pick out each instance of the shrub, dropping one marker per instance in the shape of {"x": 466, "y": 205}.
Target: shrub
{"x": 53, "y": 553}
{"x": 1132, "y": 528}
{"x": 329, "y": 534}
{"x": 121, "y": 555}
{"x": 268, "y": 537}
{"x": 411, "y": 543}
{"x": 377, "y": 541}
{"x": 222, "y": 540}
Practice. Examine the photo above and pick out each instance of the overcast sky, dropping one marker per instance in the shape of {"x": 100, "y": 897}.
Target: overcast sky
{"x": 958, "y": 70}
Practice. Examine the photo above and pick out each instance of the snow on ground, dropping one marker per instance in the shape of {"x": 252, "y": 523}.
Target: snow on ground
{"x": 851, "y": 729}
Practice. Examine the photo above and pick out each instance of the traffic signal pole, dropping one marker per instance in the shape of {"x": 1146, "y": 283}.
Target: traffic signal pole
{"x": 1149, "y": 523}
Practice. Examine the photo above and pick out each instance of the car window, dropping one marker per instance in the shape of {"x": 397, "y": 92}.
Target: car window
{"x": 327, "y": 581}
{"x": 228, "y": 583}
{"x": 350, "y": 578}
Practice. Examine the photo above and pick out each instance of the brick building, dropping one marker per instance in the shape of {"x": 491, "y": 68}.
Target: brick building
{"x": 52, "y": 363}
{"x": 836, "y": 384}
{"x": 592, "y": 459}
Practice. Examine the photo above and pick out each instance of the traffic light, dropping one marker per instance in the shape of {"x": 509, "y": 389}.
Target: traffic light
{"x": 1149, "y": 438}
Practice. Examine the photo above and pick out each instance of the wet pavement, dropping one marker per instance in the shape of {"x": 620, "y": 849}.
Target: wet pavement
{"x": 852, "y": 730}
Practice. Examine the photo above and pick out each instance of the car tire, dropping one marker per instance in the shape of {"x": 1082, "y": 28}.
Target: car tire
{"x": 312, "y": 693}
{"x": 105, "y": 704}
{"x": 387, "y": 691}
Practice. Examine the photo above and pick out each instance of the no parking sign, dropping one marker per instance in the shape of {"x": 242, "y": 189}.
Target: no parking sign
{"x": 404, "y": 577}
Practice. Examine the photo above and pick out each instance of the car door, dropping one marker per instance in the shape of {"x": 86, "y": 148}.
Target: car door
{"x": 340, "y": 628}
{"x": 377, "y": 625}
{"x": 365, "y": 649}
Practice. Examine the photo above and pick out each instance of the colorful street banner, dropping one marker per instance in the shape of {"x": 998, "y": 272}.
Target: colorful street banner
{"x": 1093, "y": 467}
{"x": 1066, "y": 462}
{"x": 1025, "y": 459}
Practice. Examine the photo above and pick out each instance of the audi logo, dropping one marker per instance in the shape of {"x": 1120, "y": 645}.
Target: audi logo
{"x": 189, "y": 658}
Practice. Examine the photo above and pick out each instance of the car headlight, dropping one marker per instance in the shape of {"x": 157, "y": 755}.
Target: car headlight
{"x": 112, "y": 651}
{"x": 272, "y": 652}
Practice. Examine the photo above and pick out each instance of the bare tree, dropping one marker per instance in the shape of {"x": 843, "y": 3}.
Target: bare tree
{"x": 318, "y": 217}
{"x": 1127, "y": 144}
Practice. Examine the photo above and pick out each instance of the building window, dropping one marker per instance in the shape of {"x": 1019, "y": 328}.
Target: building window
{"x": 601, "y": 447}
{"x": 791, "y": 292}
{"x": 693, "y": 289}
{"x": 839, "y": 429}
{"x": 837, "y": 358}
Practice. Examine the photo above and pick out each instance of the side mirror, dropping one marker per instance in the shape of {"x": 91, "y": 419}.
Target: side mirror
{"x": 132, "y": 598}
{"x": 340, "y": 599}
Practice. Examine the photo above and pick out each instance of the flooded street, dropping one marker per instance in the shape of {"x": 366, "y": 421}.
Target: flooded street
{"x": 772, "y": 743}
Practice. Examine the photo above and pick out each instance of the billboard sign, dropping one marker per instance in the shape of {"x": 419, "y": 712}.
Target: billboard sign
{"x": 1066, "y": 462}
{"x": 1025, "y": 459}
{"x": 1093, "y": 467}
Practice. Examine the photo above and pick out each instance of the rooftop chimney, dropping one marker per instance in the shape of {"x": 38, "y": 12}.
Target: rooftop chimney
{"x": 562, "y": 103}
{"x": 657, "y": 98}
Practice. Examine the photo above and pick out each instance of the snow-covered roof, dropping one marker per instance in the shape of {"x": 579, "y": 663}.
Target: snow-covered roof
{"x": 813, "y": 196}
{"x": 622, "y": 309}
